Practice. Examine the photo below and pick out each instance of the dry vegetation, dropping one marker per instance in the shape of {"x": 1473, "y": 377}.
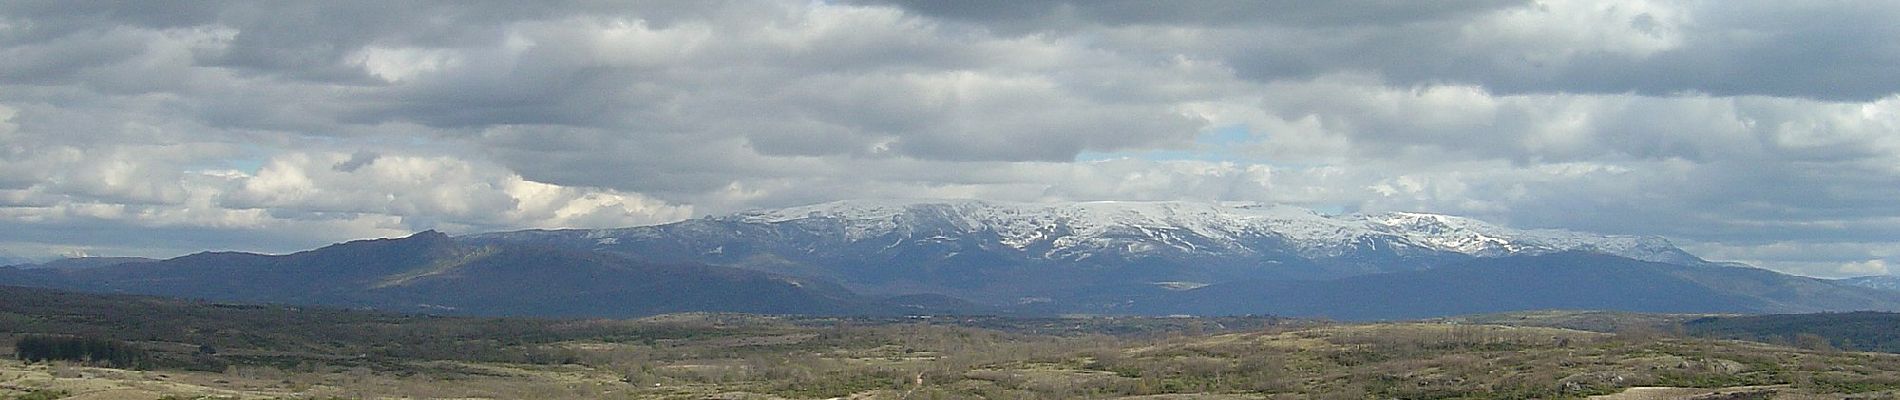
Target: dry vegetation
{"x": 215, "y": 351}
{"x": 758, "y": 357}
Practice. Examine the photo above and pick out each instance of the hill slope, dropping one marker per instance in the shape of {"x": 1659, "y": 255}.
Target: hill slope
{"x": 1862, "y": 331}
{"x": 1888, "y": 282}
{"x": 430, "y": 272}
{"x": 1576, "y": 281}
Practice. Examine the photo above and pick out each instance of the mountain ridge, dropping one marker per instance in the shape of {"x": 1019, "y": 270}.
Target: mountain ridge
{"x": 81, "y": 262}
{"x": 1023, "y": 223}
{"x": 875, "y": 257}
{"x": 430, "y": 272}
{"x": 1006, "y": 250}
{"x": 1560, "y": 281}
{"x": 1883, "y": 282}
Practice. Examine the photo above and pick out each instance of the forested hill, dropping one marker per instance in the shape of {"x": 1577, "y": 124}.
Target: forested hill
{"x": 1863, "y": 331}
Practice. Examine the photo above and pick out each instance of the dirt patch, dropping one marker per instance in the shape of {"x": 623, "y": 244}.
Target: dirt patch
{"x": 1669, "y": 393}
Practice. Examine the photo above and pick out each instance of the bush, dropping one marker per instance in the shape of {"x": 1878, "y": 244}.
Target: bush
{"x": 43, "y": 394}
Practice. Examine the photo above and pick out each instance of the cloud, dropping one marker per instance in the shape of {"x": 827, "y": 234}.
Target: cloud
{"x": 382, "y": 195}
{"x": 1038, "y": 15}
{"x": 1869, "y": 267}
{"x": 1542, "y": 46}
{"x": 1752, "y": 131}
{"x": 433, "y": 188}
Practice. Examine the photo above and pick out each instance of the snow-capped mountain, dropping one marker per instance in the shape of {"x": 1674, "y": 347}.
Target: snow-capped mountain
{"x": 1071, "y": 230}
{"x": 1034, "y": 250}
{"x": 977, "y": 256}
{"x": 1886, "y": 282}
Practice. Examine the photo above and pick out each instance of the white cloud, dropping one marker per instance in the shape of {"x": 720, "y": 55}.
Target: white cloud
{"x": 395, "y": 65}
{"x": 1557, "y": 32}
{"x": 436, "y": 188}
{"x": 268, "y": 126}
{"x": 1864, "y": 268}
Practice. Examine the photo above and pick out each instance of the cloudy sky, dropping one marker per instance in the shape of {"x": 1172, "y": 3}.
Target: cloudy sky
{"x": 1766, "y": 132}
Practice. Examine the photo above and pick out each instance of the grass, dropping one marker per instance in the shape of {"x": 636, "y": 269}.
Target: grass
{"x": 41, "y": 394}
{"x": 1413, "y": 361}
{"x": 268, "y": 352}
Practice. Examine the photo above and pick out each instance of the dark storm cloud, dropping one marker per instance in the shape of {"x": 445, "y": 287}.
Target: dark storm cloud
{"x": 1719, "y": 48}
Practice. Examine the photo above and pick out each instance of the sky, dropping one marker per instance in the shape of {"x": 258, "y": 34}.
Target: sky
{"x": 1764, "y": 132}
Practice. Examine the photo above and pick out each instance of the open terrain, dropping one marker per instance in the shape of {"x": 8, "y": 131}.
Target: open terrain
{"x": 196, "y": 349}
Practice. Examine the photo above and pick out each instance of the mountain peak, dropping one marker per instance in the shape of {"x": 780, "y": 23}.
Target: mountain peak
{"x": 887, "y": 208}
{"x": 1038, "y": 249}
{"x": 1007, "y": 251}
{"x": 1226, "y": 226}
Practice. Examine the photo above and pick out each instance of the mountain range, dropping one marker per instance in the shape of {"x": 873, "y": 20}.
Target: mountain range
{"x": 1032, "y": 251}
{"x": 993, "y": 257}
{"x": 80, "y": 262}
{"x": 429, "y": 272}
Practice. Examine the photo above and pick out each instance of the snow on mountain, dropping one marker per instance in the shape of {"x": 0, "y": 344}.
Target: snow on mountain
{"x": 1103, "y": 254}
{"x": 1214, "y": 228}
{"x": 1887, "y": 282}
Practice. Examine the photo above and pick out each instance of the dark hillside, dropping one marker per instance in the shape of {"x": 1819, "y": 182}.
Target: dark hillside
{"x": 429, "y": 272}
{"x": 1861, "y": 331}
{"x": 1564, "y": 281}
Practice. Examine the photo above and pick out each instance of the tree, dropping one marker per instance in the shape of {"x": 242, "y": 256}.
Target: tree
{"x": 1812, "y": 342}
{"x": 112, "y": 353}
